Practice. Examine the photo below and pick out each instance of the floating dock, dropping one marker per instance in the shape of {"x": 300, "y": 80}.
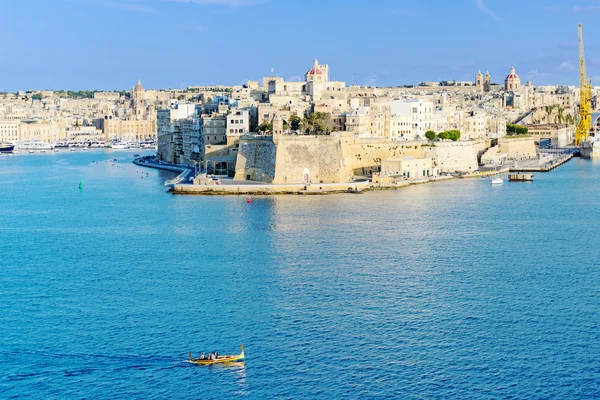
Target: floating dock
{"x": 520, "y": 177}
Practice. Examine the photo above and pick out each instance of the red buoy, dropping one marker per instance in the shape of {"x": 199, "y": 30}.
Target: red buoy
{"x": 249, "y": 200}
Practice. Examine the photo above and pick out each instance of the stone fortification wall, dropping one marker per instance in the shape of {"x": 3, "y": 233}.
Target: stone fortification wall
{"x": 454, "y": 156}
{"x": 363, "y": 156}
{"x": 330, "y": 159}
{"x": 166, "y": 148}
{"x": 481, "y": 146}
{"x": 256, "y": 159}
{"x": 310, "y": 158}
{"x": 220, "y": 158}
{"x": 518, "y": 148}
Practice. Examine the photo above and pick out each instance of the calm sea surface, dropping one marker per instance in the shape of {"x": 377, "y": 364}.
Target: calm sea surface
{"x": 447, "y": 290}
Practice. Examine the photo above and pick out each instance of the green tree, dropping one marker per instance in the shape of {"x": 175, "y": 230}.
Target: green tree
{"x": 512, "y": 129}
{"x": 570, "y": 119}
{"x": 265, "y": 127}
{"x": 295, "y": 122}
{"x": 561, "y": 116}
{"x": 36, "y": 96}
{"x": 453, "y": 135}
{"x": 430, "y": 135}
{"x": 318, "y": 123}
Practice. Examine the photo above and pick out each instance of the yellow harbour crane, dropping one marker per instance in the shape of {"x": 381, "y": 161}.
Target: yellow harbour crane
{"x": 584, "y": 110}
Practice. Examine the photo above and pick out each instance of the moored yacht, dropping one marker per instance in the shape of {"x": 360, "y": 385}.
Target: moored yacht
{"x": 98, "y": 144}
{"x": 61, "y": 145}
{"x": 119, "y": 145}
{"x": 6, "y": 147}
{"x": 35, "y": 145}
{"x": 147, "y": 144}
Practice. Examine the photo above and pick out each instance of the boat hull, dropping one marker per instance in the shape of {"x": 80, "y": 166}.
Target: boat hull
{"x": 219, "y": 360}
{"x": 590, "y": 149}
{"x": 35, "y": 146}
{"x": 6, "y": 148}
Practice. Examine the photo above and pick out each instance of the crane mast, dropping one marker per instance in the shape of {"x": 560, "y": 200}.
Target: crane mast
{"x": 584, "y": 110}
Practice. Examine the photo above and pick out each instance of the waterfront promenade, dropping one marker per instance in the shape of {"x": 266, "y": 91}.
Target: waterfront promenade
{"x": 182, "y": 185}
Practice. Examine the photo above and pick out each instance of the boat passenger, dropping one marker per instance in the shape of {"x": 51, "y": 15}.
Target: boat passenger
{"x": 202, "y": 356}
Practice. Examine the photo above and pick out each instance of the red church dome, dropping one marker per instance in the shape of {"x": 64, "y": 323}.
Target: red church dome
{"x": 513, "y": 74}
{"x": 315, "y": 70}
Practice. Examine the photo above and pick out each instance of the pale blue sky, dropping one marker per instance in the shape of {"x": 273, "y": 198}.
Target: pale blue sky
{"x": 109, "y": 44}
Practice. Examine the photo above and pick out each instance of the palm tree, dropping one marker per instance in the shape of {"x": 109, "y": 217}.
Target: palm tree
{"x": 560, "y": 115}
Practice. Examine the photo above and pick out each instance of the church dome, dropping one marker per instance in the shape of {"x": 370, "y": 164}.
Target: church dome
{"x": 513, "y": 74}
{"x": 315, "y": 70}
{"x": 139, "y": 85}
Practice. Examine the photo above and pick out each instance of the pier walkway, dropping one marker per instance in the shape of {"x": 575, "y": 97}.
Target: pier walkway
{"x": 151, "y": 162}
{"x": 243, "y": 188}
{"x": 542, "y": 165}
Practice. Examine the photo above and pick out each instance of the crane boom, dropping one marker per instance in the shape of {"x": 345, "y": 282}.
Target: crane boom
{"x": 582, "y": 71}
{"x": 584, "y": 110}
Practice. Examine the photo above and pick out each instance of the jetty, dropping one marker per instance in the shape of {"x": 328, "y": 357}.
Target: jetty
{"x": 239, "y": 188}
{"x": 544, "y": 166}
{"x": 152, "y": 162}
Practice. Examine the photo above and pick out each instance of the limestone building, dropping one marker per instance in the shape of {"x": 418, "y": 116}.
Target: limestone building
{"x": 238, "y": 123}
{"x": 171, "y": 128}
{"x": 408, "y": 167}
{"x": 9, "y": 131}
{"x": 135, "y": 121}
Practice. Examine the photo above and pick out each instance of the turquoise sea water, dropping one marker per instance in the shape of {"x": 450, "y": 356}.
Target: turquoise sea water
{"x": 448, "y": 290}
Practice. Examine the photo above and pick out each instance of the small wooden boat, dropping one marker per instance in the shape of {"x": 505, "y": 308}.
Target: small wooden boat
{"x": 219, "y": 359}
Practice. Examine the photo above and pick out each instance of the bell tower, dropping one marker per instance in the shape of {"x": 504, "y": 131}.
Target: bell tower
{"x": 479, "y": 80}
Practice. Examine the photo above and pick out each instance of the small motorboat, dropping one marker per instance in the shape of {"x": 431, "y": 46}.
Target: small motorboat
{"x": 497, "y": 181}
{"x": 218, "y": 360}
